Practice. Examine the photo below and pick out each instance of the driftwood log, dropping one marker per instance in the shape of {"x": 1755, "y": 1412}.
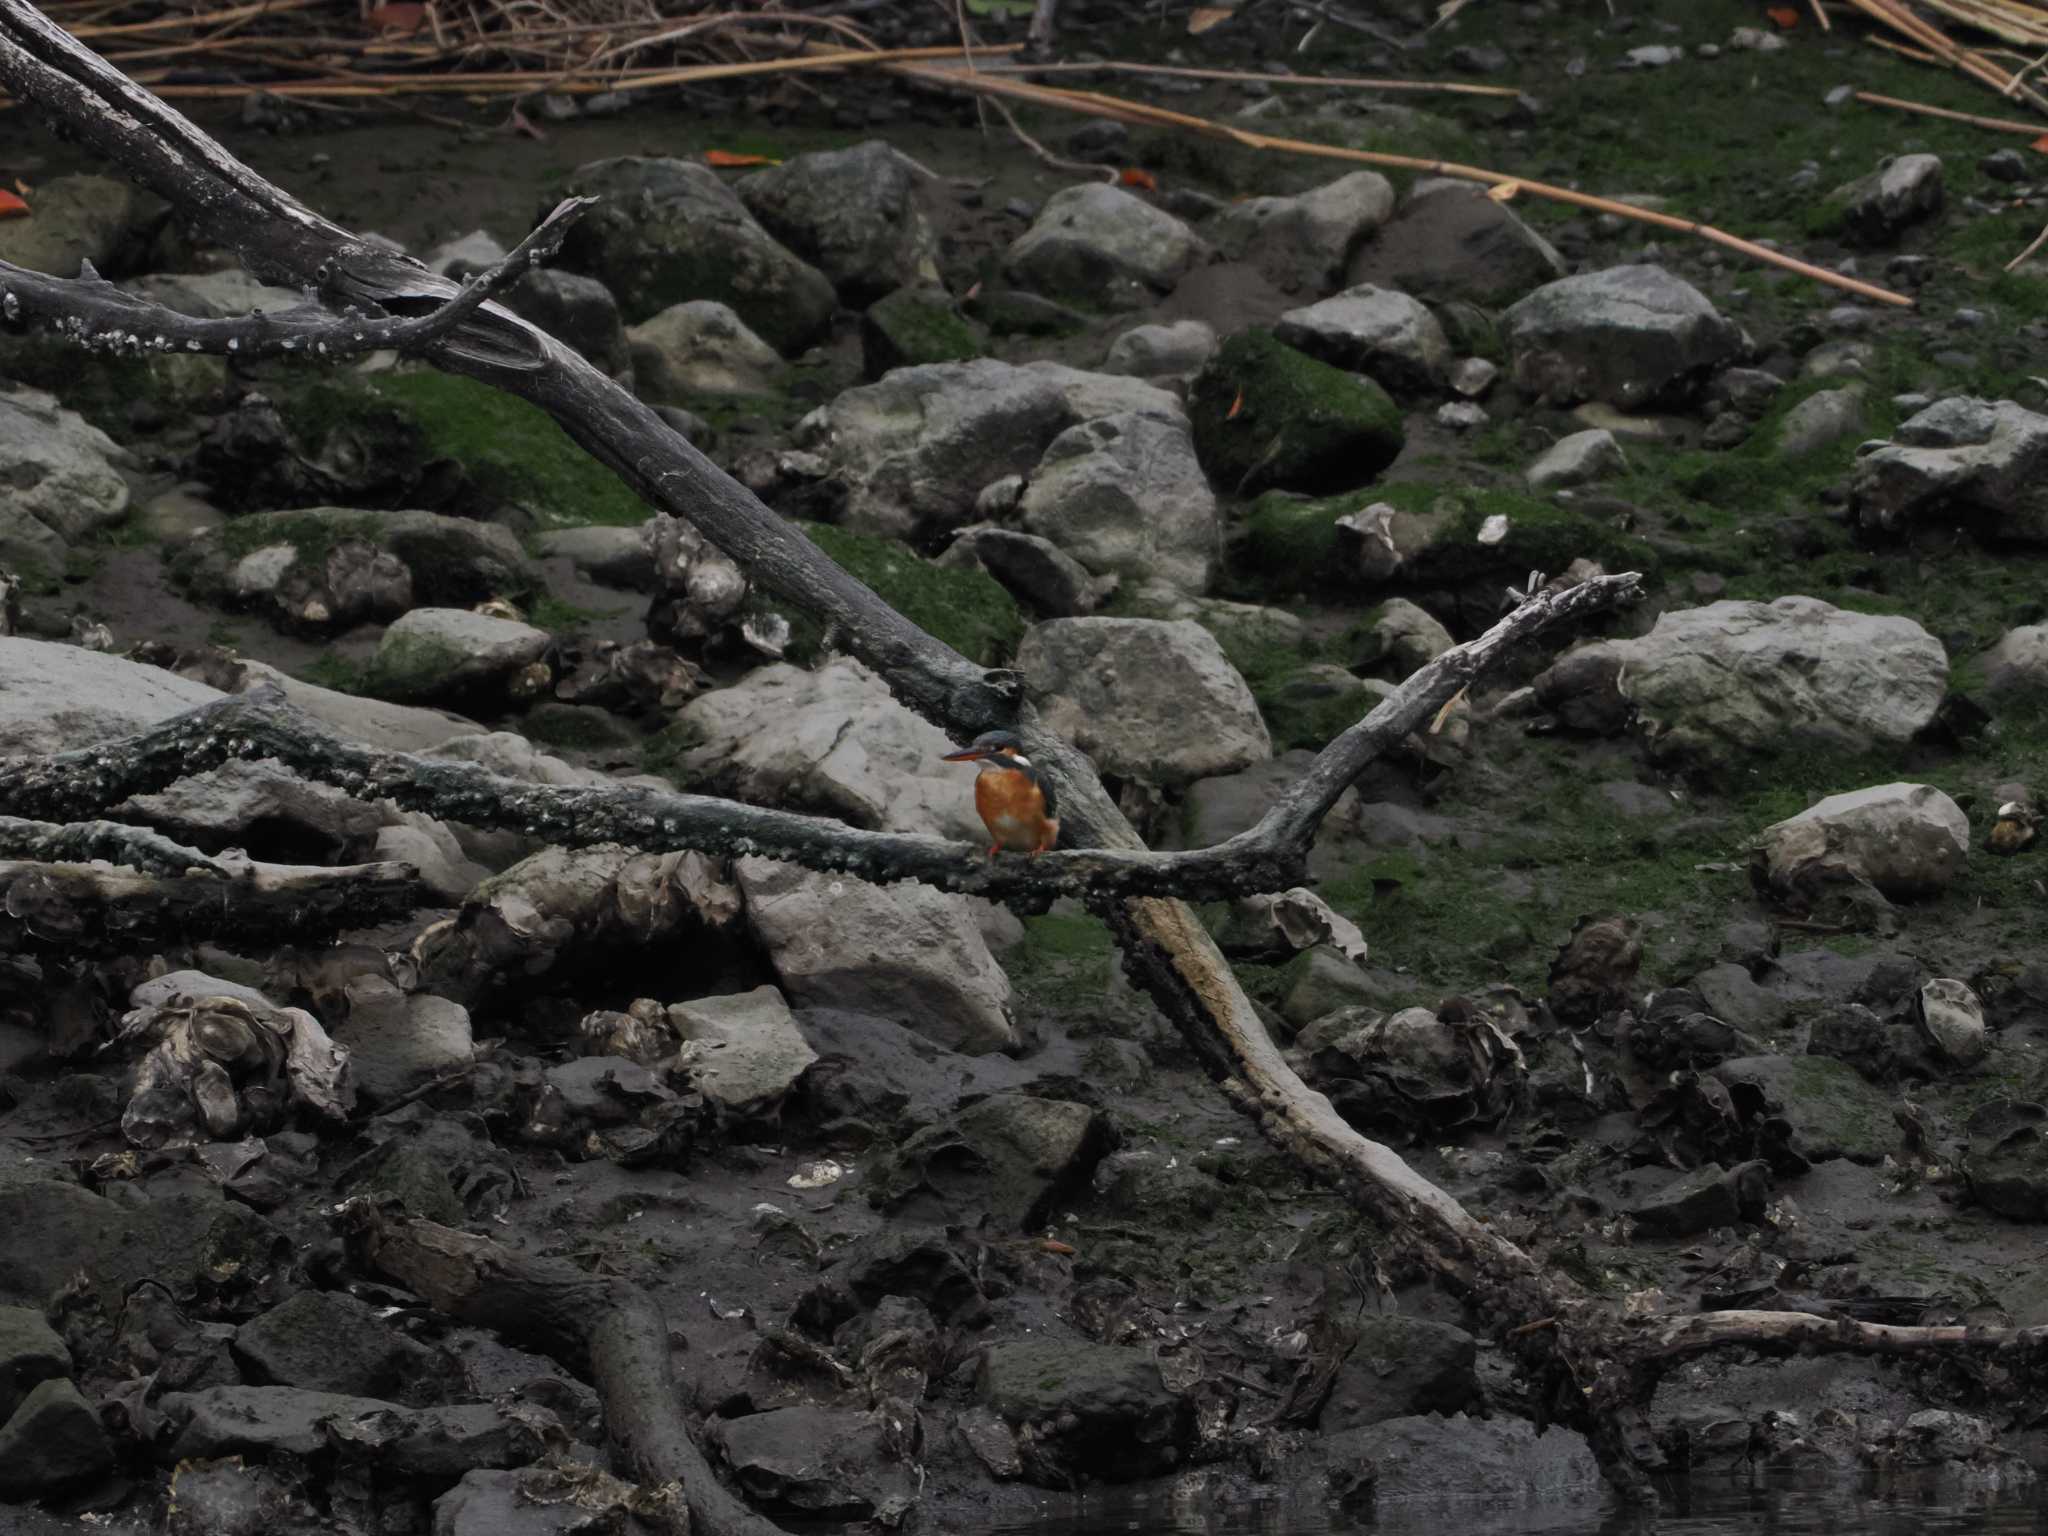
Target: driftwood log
{"x": 1594, "y": 1366}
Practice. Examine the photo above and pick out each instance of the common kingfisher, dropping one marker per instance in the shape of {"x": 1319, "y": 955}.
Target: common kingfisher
{"x": 1014, "y": 800}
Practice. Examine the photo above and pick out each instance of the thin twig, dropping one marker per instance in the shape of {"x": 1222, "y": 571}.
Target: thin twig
{"x": 2001, "y": 124}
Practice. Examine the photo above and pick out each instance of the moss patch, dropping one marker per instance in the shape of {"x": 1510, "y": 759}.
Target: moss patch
{"x": 1265, "y": 415}
{"x": 968, "y": 610}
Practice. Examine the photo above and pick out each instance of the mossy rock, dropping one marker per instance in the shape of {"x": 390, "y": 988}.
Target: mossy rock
{"x": 421, "y": 439}
{"x": 912, "y": 326}
{"x": 1312, "y": 704}
{"x": 1294, "y": 544}
{"x": 1266, "y": 416}
{"x": 968, "y": 610}
{"x": 123, "y": 396}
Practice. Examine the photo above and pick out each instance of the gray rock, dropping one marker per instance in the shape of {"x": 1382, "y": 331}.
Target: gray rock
{"x": 477, "y": 251}
{"x": 432, "y": 849}
{"x": 1321, "y": 980}
{"x": 1733, "y": 996}
{"x": 855, "y": 214}
{"x": 1905, "y": 839}
{"x": 904, "y": 952}
{"x": 1879, "y": 207}
{"x": 442, "y": 1443}
{"x": 1576, "y": 459}
{"x": 576, "y": 310}
{"x": 820, "y": 1460}
{"x": 398, "y": 727}
{"x": 53, "y": 1441}
{"x": 915, "y": 448}
{"x": 77, "y": 219}
{"x": 543, "y": 1500}
{"x": 615, "y": 557}
{"x": 397, "y": 1042}
{"x": 1302, "y": 243}
{"x": 1746, "y": 391}
{"x": 1034, "y": 569}
{"x": 1629, "y": 335}
{"x": 1462, "y": 1465}
{"x": 177, "y": 515}
{"x": 451, "y": 654}
{"x": 1822, "y": 420}
{"x": 1962, "y": 455}
{"x": 1953, "y": 1018}
{"x": 1394, "y": 1366}
{"x": 667, "y": 231}
{"x": 1102, "y": 247}
{"x": 1093, "y": 1410}
{"x": 744, "y": 1052}
{"x": 1245, "y": 624}
{"x": 1833, "y": 1111}
{"x": 214, "y": 295}
{"x": 1449, "y": 240}
{"x": 57, "y": 469}
{"x": 56, "y": 697}
{"x": 1377, "y": 331}
{"x": 1175, "y": 350}
{"x": 2007, "y": 1161}
{"x": 1707, "y": 1197}
{"x": 1154, "y": 1186}
{"x": 1146, "y": 698}
{"x": 1401, "y": 637}
{"x": 1472, "y": 377}
{"x": 2016, "y": 669}
{"x": 1125, "y": 496}
{"x": 29, "y": 546}
{"x": 1735, "y": 677}
{"x": 700, "y": 347}
{"x": 1009, "y": 1160}
{"x": 1461, "y": 415}
{"x": 834, "y": 741}
{"x": 330, "y": 1342}
{"x": 30, "y": 1353}
{"x": 176, "y": 987}
{"x": 239, "y": 802}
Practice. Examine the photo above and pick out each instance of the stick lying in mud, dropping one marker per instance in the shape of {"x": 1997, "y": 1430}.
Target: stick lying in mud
{"x": 1593, "y": 1366}
{"x": 608, "y": 1329}
{"x": 1271, "y": 856}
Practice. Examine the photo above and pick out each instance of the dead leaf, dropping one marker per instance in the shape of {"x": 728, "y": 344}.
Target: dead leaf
{"x": 1235, "y": 406}
{"x": 1131, "y": 176}
{"x": 2042, "y": 144}
{"x": 1054, "y": 1245}
{"x": 973, "y": 293}
{"x": 399, "y": 17}
{"x": 12, "y": 207}
{"x": 1504, "y": 191}
{"x": 1203, "y": 17}
{"x": 725, "y": 159}
{"x": 1784, "y": 16}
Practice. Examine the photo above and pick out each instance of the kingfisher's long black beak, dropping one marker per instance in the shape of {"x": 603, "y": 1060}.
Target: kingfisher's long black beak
{"x": 967, "y": 755}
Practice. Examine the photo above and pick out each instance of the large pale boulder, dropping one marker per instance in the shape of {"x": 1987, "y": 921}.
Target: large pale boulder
{"x": 1630, "y": 336}
{"x": 855, "y": 214}
{"x": 56, "y": 697}
{"x": 1985, "y": 461}
{"x": 1148, "y": 699}
{"x": 1736, "y": 677}
{"x": 1103, "y": 248}
{"x": 1905, "y": 839}
{"x": 1125, "y": 496}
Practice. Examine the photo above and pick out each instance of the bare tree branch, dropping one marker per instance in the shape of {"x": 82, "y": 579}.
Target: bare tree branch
{"x": 100, "y": 317}
{"x": 1271, "y": 856}
{"x": 113, "y": 841}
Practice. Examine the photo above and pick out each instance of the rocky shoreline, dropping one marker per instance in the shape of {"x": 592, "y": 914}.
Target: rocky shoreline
{"x": 1705, "y": 941}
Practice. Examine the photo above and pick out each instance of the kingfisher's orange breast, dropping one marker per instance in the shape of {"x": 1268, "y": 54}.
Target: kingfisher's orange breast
{"x": 1012, "y": 807}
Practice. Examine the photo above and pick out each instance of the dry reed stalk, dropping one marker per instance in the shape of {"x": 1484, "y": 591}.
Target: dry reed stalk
{"x": 2020, "y": 260}
{"x": 2001, "y": 124}
{"x": 1918, "y": 30}
{"x": 2021, "y": 25}
{"x": 1917, "y": 55}
{"x": 1333, "y": 82}
{"x": 1820, "y": 15}
{"x": 1094, "y": 104}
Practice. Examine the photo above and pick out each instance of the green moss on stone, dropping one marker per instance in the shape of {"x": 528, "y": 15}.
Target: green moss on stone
{"x": 913, "y": 326}
{"x": 1265, "y": 415}
{"x": 968, "y": 610}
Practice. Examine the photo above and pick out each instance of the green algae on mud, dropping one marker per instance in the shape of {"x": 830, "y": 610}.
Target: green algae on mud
{"x": 1264, "y": 414}
{"x": 967, "y": 609}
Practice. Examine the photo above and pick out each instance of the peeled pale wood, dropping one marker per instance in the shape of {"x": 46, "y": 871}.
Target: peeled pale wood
{"x": 2000, "y": 124}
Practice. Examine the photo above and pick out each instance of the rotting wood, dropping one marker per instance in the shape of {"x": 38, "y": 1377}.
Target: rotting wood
{"x": 1594, "y": 1366}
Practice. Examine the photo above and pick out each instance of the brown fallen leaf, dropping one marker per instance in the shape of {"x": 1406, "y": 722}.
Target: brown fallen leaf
{"x": 728, "y": 160}
{"x": 1203, "y": 17}
{"x": 1235, "y": 406}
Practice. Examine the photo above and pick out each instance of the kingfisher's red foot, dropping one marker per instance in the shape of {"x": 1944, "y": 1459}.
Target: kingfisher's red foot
{"x": 994, "y": 849}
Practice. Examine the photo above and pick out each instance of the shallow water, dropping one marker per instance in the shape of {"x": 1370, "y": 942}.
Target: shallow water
{"x": 1780, "y": 1506}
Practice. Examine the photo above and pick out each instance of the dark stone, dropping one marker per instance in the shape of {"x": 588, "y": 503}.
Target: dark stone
{"x": 2007, "y": 1163}
{"x": 441, "y": 1443}
{"x": 1398, "y": 1366}
{"x": 1267, "y": 417}
{"x": 820, "y": 1460}
{"x": 545, "y": 1500}
{"x": 576, "y": 310}
{"x": 333, "y": 1343}
{"x": 912, "y": 326}
{"x": 1705, "y": 1198}
{"x": 227, "y": 1498}
{"x": 1086, "y": 1410}
{"x": 1449, "y": 240}
{"x": 186, "y": 1242}
{"x": 1418, "y": 1463}
{"x": 918, "y": 1265}
{"x": 1009, "y": 1158}
{"x": 30, "y": 1354}
{"x": 54, "y": 1440}
{"x": 1832, "y": 1111}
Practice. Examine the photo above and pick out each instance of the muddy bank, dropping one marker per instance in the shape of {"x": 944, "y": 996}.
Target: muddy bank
{"x": 1704, "y": 958}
